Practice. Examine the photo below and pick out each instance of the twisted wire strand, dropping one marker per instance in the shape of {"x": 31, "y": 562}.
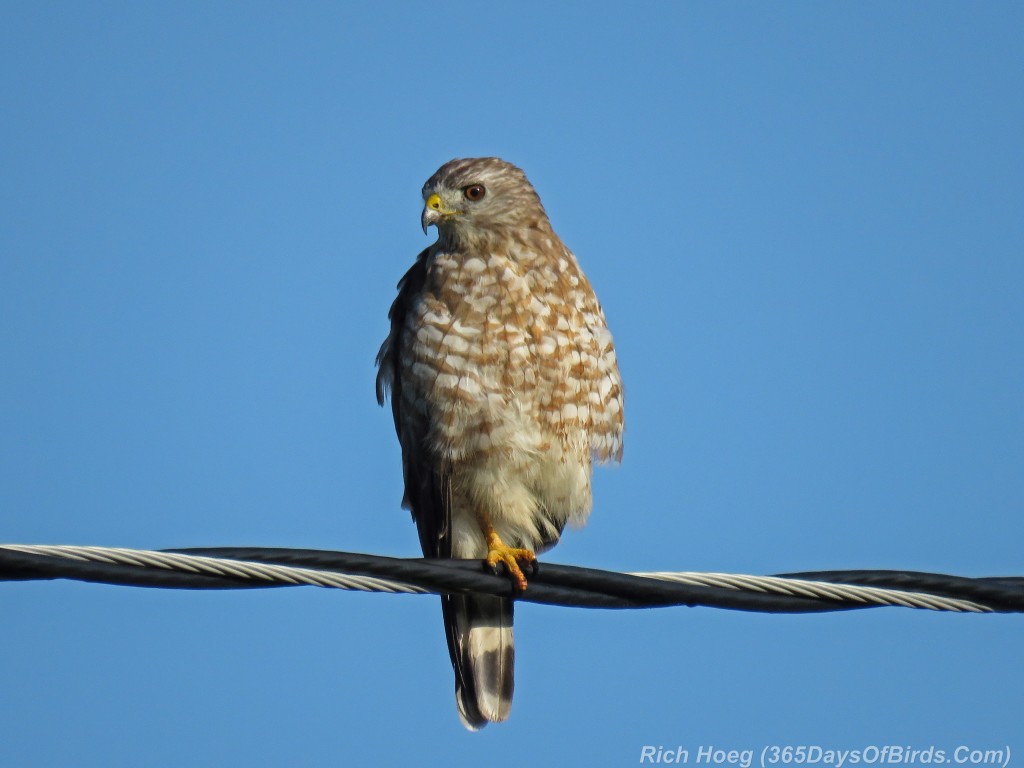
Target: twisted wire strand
{"x": 248, "y": 567}
{"x": 281, "y": 575}
{"x": 821, "y": 589}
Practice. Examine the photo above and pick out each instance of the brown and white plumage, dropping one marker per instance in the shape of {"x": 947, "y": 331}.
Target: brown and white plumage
{"x": 504, "y": 386}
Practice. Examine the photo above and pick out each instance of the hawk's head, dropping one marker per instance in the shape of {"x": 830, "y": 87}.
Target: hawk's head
{"x": 480, "y": 197}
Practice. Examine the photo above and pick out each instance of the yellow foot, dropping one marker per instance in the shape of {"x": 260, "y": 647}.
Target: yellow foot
{"x": 511, "y": 556}
{"x": 498, "y": 552}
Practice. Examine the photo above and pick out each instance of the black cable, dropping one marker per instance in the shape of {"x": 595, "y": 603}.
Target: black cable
{"x": 553, "y": 584}
{"x": 1004, "y": 594}
{"x": 21, "y": 566}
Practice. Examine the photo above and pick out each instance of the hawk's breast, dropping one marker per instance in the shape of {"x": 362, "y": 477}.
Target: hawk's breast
{"x": 511, "y": 355}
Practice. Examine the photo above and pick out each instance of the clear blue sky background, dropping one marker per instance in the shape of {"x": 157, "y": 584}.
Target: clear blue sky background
{"x": 804, "y": 221}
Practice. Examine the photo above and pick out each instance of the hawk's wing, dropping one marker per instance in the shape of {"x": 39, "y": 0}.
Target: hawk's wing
{"x": 427, "y": 490}
{"x": 478, "y": 628}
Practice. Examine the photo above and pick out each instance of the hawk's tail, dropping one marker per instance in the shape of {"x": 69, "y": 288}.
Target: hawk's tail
{"x": 479, "y": 633}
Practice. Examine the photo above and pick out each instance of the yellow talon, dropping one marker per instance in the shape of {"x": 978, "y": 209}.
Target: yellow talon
{"x": 499, "y": 552}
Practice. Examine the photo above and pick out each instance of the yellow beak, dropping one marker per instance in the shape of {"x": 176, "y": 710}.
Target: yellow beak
{"x": 434, "y": 211}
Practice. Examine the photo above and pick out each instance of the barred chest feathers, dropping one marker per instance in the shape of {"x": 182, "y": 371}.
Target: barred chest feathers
{"x": 514, "y": 374}
{"x": 493, "y": 341}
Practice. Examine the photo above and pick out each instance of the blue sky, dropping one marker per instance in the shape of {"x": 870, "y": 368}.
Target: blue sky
{"x": 804, "y": 223}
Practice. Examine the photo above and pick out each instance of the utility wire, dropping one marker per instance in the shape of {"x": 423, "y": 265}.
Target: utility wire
{"x": 564, "y": 585}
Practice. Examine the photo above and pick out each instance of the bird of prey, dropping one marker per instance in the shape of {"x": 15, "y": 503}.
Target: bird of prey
{"x": 504, "y": 387}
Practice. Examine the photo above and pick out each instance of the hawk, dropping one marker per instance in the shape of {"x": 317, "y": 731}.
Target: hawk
{"x": 504, "y": 387}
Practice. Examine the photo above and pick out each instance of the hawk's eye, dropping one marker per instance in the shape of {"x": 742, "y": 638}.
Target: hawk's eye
{"x": 475, "y": 192}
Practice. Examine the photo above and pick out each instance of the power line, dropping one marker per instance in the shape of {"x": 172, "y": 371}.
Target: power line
{"x": 564, "y": 585}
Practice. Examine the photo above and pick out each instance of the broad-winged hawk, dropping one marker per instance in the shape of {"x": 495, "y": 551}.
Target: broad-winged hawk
{"x": 504, "y": 387}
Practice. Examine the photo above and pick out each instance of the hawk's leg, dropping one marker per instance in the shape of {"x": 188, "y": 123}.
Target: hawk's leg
{"x": 499, "y": 552}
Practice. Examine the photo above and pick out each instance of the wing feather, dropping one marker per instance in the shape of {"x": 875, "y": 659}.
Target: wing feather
{"x": 478, "y": 629}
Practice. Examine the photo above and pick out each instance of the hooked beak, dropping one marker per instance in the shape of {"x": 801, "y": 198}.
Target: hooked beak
{"x": 434, "y": 211}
